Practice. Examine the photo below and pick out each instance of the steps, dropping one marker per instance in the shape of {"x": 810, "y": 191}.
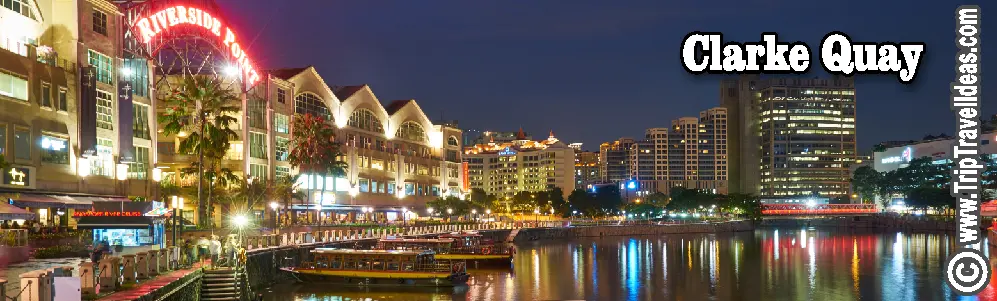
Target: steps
{"x": 512, "y": 235}
{"x": 220, "y": 285}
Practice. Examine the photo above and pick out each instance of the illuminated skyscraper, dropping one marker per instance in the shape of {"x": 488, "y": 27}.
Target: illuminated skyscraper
{"x": 792, "y": 138}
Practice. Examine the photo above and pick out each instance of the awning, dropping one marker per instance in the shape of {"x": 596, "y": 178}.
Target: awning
{"x": 49, "y": 201}
{"x": 119, "y": 222}
{"x": 10, "y": 212}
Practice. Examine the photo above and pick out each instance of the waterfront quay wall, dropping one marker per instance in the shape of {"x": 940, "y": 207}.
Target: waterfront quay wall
{"x": 874, "y": 222}
{"x": 653, "y": 229}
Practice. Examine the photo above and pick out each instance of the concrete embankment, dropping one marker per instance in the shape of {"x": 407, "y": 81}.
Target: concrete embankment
{"x": 878, "y": 222}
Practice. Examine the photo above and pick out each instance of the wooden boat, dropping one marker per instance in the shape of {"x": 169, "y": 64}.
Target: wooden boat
{"x": 466, "y": 246}
{"x": 380, "y": 268}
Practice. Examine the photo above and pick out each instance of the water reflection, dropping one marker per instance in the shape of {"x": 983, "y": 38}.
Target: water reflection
{"x": 792, "y": 264}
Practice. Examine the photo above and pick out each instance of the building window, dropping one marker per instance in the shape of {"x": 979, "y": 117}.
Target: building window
{"x": 308, "y": 103}
{"x": 22, "y": 143}
{"x": 281, "y": 95}
{"x": 103, "y": 163}
{"x": 281, "y": 147}
{"x": 139, "y": 169}
{"x": 140, "y": 124}
{"x": 55, "y": 150}
{"x": 452, "y": 141}
{"x": 99, "y": 22}
{"x": 62, "y": 99}
{"x": 19, "y": 6}
{"x": 13, "y": 86}
{"x": 281, "y": 123}
{"x": 257, "y": 145}
{"x": 366, "y": 120}
{"x": 46, "y": 95}
{"x": 282, "y": 171}
{"x": 258, "y": 172}
{"x": 105, "y": 111}
{"x": 3, "y": 140}
{"x": 411, "y": 131}
{"x": 104, "y": 66}
{"x": 364, "y": 185}
{"x": 138, "y": 74}
{"x": 257, "y": 113}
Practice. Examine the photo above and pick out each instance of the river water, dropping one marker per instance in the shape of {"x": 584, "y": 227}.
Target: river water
{"x": 767, "y": 264}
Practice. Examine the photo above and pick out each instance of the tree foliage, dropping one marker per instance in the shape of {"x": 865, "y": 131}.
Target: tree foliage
{"x": 204, "y": 112}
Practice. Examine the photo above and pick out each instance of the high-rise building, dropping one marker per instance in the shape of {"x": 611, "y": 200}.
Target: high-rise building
{"x": 692, "y": 153}
{"x": 504, "y": 169}
{"x": 614, "y": 160}
{"x": 586, "y": 168}
{"x": 475, "y": 137}
{"x": 792, "y": 137}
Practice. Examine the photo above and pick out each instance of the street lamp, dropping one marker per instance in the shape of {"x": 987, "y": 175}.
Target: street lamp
{"x": 177, "y": 205}
{"x": 240, "y": 222}
{"x": 404, "y": 216}
{"x": 474, "y": 213}
{"x": 449, "y": 213}
{"x": 275, "y": 206}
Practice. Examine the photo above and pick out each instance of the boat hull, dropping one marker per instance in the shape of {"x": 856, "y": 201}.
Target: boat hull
{"x": 478, "y": 259}
{"x": 378, "y": 278}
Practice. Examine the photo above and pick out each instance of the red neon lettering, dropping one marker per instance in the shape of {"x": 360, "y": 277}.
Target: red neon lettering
{"x": 145, "y": 30}
{"x": 217, "y": 28}
{"x": 192, "y": 16}
{"x": 171, "y": 15}
{"x": 197, "y": 17}
{"x": 106, "y": 213}
{"x": 161, "y": 23}
{"x": 181, "y": 15}
{"x": 229, "y": 38}
{"x": 157, "y": 22}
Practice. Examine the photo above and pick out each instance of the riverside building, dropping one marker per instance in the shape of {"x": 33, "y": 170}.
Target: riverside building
{"x": 505, "y": 169}
{"x": 792, "y": 138}
{"x": 76, "y": 125}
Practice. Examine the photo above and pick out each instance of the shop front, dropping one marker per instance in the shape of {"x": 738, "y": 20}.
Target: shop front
{"x": 126, "y": 226}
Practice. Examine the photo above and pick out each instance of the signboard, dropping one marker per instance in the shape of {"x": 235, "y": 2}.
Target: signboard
{"x": 464, "y": 169}
{"x": 507, "y": 152}
{"x": 17, "y": 176}
{"x": 164, "y": 20}
{"x": 106, "y": 213}
{"x": 902, "y": 158}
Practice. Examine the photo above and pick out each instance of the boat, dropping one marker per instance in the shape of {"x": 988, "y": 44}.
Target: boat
{"x": 380, "y": 268}
{"x": 464, "y": 246}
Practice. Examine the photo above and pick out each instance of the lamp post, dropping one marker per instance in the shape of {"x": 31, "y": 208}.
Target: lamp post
{"x": 177, "y": 205}
{"x": 474, "y": 212}
{"x": 274, "y": 206}
{"x": 404, "y": 216}
{"x": 449, "y": 213}
{"x": 430, "y": 210}
{"x": 249, "y": 187}
{"x": 240, "y": 222}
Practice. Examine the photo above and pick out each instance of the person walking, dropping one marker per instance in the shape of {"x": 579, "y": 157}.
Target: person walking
{"x": 231, "y": 250}
{"x": 202, "y": 248}
{"x": 215, "y": 249}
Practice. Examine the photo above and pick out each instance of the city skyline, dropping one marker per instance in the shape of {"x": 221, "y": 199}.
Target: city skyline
{"x": 570, "y": 65}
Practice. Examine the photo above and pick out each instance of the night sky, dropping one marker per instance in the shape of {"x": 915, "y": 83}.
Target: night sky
{"x": 595, "y": 70}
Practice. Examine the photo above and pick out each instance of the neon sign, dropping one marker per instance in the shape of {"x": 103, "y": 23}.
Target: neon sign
{"x": 106, "y": 213}
{"x": 506, "y": 152}
{"x": 169, "y": 17}
{"x": 17, "y": 177}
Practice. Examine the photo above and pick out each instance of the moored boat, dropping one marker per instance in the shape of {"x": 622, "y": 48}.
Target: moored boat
{"x": 380, "y": 268}
{"x": 463, "y": 246}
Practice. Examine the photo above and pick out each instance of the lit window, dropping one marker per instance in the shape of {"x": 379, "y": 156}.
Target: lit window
{"x": 13, "y": 86}
{"x": 308, "y": 103}
{"x": 105, "y": 111}
{"x": 103, "y": 164}
{"x": 366, "y": 120}
{"x": 411, "y": 131}
{"x": 139, "y": 168}
{"x": 281, "y": 123}
{"x": 257, "y": 145}
{"x": 54, "y": 150}
{"x": 104, "y": 66}
{"x": 281, "y": 148}
{"x": 140, "y": 123}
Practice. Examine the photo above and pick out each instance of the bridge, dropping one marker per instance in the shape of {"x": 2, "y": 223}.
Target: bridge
{"x": 818, "y": 209}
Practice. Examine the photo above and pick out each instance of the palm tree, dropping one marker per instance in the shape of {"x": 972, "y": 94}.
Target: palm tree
{"x": 285, "y": 190}
{"x": 202, "y": 108}
{"x": 314, "y": 150}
